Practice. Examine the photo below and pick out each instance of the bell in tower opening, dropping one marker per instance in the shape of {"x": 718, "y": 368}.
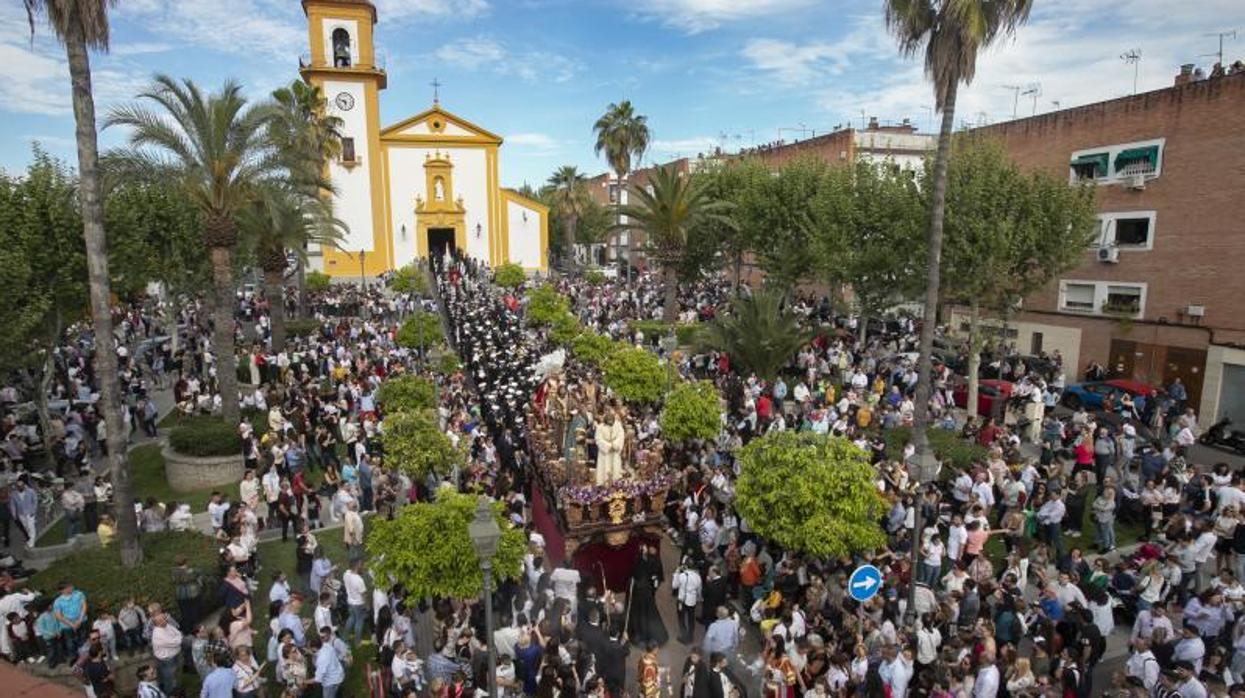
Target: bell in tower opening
{"x": 341, "y": 48}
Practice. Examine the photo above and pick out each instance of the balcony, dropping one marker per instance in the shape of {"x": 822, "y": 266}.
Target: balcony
{"x": 307, "y": 67}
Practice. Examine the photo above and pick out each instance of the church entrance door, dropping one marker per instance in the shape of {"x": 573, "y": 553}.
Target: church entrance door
{"x": 439, "y": 241}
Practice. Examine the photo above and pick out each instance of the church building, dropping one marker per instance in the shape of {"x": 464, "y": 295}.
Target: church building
{"x": 413, "y": 188}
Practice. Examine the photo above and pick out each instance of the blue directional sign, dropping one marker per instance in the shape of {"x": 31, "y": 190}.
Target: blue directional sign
{"x": 864, "y": 582}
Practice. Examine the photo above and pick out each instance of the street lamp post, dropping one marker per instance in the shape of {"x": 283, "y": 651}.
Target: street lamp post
{"x": 668, "y": 344}
{"x": 925, "y": 467}
{"x": 485, "y": 534}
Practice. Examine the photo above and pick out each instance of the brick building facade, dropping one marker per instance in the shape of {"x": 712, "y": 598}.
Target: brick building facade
{"x": 1159, "y": 295}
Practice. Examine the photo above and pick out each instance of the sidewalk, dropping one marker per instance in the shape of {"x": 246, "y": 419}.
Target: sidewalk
{"x": 18, "y": 683}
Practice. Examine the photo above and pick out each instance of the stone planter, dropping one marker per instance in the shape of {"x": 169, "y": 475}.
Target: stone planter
{"x": 189, "y": 473}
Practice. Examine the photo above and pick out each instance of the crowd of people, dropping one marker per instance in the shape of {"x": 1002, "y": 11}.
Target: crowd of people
{"x": 1006, "y": 599}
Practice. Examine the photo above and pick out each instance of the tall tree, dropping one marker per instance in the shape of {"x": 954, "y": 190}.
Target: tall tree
{"x": 1008, "y": 233}
{"x": 82, "y": 25}
{"x": 216, "y": 148}
{"x": 307, "y": 136}
{"x": 623, "y": 136}
{"x": 569, "y": 193}
{"x": 883, "y": 261}
{"x": 286, "y": 220}
{"x": 950, "y": 33}
{"x": 670, "y": 210}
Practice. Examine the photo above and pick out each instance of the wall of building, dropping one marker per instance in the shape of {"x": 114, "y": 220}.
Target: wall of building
{"x": 353, "y": 200}
{"x": 523, "y": 225}
{"x": 1026, "y": 336}
{"x": 1223, "y": 391}
{"x": 407, "y": 180}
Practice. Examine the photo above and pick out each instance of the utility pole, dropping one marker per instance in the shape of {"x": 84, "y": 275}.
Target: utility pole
{"x": 1015, "y": 98}
{"x": 1034, "y": 90}
{"x": 1132, "y": 57}
{"x": 1230, "y": 34}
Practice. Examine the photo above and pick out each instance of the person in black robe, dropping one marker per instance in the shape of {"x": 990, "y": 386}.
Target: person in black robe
{"x": 644, "y": 623}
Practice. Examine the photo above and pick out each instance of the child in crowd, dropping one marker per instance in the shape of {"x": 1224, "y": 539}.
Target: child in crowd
{"x": 105, "y": 625}
{"x": 132, "y": 620}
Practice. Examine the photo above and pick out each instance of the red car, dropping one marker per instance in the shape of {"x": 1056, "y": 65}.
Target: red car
{"x": 992, "y": 396}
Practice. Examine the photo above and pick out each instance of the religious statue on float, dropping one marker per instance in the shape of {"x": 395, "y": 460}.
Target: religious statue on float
{"x": 611, "y": 437}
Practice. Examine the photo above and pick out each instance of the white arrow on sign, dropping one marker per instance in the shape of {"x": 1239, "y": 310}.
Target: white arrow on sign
{"x": 867, "y": 583}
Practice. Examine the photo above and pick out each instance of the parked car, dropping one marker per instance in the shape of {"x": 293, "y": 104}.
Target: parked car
{"x": 1092, "y": 396}
{"x": 992, "y": 396}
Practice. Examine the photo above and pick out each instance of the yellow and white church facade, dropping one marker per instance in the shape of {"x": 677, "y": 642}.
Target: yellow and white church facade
{"x": 414, "y": 187}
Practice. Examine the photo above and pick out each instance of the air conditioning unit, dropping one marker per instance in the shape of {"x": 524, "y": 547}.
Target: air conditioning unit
{"x": 1195, "y": 311}
{"x": 1109, "y": 255}
{"x": 1136, "y": 182}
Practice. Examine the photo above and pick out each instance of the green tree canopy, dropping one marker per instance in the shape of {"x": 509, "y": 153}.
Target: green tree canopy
{"x": 545, "y": 305}
{"x": 427, "y": 548}
{"x": 415, "y": 444}
{"x": 509, "y": 275}
{"x": 810, "y": 493}
{"x": 420, "y": 331}
{"x": 692, "y": 411}
{"x": 635, "y": 375}
{"x": 410, "y": 279}
{"x": 317, "y": 281}
{"x": 758, "y": 334}
{"x": 407, "y": 393}
{"x": 153, "y": 235}
{"x": 592, "y": 348}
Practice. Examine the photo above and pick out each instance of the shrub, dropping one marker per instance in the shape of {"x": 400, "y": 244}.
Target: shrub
{"x": 420, "y": 331}
{"x": 692, "y": 411}
{"x": 316, "y": 281}
{"x": 635, "y": 375}
{"x": 414, "y": 442}
{"x": 592, "y": 348}
{"x": 300, "y": 328}
{"x": 594, "y": 277}
{"x": 947, "y": 445}
{"x": 810, "y": 493}
{"x": 448, "y": 364}
{"x": 688, "y": 335}
{"x": 406, "y": 393}
{"x": 509, "y": 275}
{"x": 653, "y": 330}
{"x": 545, "y": 305}
{"x": 409, "y": 279}
{"x": 99, "y": 574}
{"x": 564, "y": 329}
{"x": 205, "y": 438}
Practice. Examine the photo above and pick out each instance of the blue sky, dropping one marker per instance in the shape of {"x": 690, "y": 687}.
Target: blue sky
{"x": 539, "y": 72}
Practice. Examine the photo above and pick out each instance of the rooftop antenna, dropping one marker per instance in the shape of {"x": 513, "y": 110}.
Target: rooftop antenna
{"x": 1056, "y": 104}
{"x": 1132, "y": 57}
{"x": 1015, "y": 97}
{"x": 1034, "y": 90}
{"x": 1230, "y": 34}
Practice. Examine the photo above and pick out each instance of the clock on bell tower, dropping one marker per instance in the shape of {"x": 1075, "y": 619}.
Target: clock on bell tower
{"x": 342, "y": 62}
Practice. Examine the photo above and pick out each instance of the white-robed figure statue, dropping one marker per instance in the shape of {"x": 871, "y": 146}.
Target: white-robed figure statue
{"x": 610, "y": 438}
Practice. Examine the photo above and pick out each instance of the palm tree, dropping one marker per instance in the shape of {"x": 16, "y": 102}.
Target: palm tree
{"x": 621, "y": 135}
{"x": 303, "y": 132}
{"x": 951, "y": 33}
{"x": 81, "y": 25}
{"x": 216, "y": 148}
{"x": 568, "y": 193}
{"x": 284, "y": 220}
{"x": 759, "y": 334}
{"x": 669, "y": 211}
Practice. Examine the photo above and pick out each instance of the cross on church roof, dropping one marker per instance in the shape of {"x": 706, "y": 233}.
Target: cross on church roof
{"x": 436, "y": 91}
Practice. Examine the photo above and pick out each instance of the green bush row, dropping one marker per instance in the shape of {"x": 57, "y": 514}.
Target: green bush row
{"x": 205, "y": 437}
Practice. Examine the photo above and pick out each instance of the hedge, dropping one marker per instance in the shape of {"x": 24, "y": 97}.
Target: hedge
{"x": 206, "y": 437}
{"x": 107, "y": 584}
{"x": 298, "y": 328}
{"x": 509, "y": 275}
{"x": 947, "y": 445}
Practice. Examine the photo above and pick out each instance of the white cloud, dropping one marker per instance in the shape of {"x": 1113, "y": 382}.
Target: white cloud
{"x": 695, "y": 16}
{"x": 486, "y": 53}
{"x": 536, "y": 143}
{"x": 399, "y": 10}
{"x": 682, "y": 147}
{"x": 799, "y": 64}
{"x": 139, "y": 48}
{"x": 239, "y": 27}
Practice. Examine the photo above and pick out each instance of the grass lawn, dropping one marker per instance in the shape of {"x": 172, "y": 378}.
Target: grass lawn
{"x": 1126, "y": 534}
{"x": 275, "y": 555}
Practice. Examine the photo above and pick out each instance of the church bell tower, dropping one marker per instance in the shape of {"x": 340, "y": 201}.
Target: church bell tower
{"x": 342, "y": 62}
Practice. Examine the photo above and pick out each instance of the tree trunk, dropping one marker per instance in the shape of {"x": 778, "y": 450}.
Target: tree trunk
{"x": 920, "y": 415}
{"x": 670, "y": 308}
{"x": 974, "y": 358}
{"x": 41, "y": 383}
{"x": 274, "y": 287}
{"x": 170, "y": 320}
{"x": 97, "y": 276}
{"x": 739, "y": 272}
{"x": 863, "y": 322}
{"x": 222, "y": 335}
{"x": 301, "y": 310}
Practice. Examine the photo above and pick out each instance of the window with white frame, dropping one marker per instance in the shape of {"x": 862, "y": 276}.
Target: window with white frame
{"x": 1102, "y": 298}
{"x": 1127, "y": 230}
{"x": 1112, "y": 163}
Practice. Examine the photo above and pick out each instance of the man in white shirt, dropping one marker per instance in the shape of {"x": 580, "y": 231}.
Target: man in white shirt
{"x": 356, "y": 600}
{"x": 1142, "y": 665}
{"x": 565, "y": 580}
{"x": 687, "y": 587}
{"x": 987, "y": 683}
